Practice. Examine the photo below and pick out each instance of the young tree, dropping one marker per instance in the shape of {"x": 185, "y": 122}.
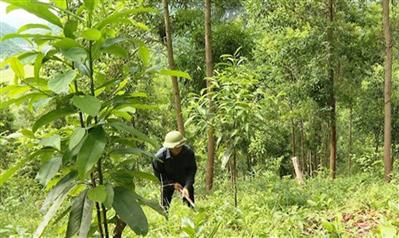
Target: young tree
{"x": 388, "y": 163}
{"x": 332, "y": 101}
{"x": 209, "y": 74}
{"x": 172, "y": 66}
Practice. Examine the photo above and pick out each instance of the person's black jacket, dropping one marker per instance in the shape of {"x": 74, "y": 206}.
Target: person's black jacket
{"x": 171, "y": 169}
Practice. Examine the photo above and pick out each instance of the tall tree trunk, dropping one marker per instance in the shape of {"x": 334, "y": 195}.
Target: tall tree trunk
{"x": 293, "y": 140}
{"x": 172, "y": 66}
{"x": 388, "y": 162}
{"x": 333, "y": 129}
{"x": 303, "y": 154}
{"x": 209, "y": 75}
{"x": 350, "y": 138}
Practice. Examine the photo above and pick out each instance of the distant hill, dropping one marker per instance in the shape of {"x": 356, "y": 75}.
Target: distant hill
{"x": 12, "y": 46}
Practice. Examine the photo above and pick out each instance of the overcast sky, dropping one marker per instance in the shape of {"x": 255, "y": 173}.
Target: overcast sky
{"x": 17, "y": 18}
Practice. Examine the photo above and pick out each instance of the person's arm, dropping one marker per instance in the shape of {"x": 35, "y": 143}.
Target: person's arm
{"x": 191, "y": 170}
{"x": 159, "y": 171}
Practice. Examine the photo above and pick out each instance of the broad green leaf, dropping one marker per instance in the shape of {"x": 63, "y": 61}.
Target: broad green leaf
{"x": 131, "y": 150}
{"x": 175, "y": 73}
{"x": 38, "y": 65}
{"x": 70, "y": 28}
{"x": 53, "y": 141}
{"x": 75, "y": 54}
{"x": 91, "y": 34}
{"x": 36, "y": 8}
{"x": 6, "y": 175}
{"x": 127, "y": 207}
{"x": 51, "y": 116}
{"x": 98, "y": 194}
{"x": 33, "y": 26}
{"x": 62, "y": 187}
{"x": 145, "y": 176}
{"x": 91, "y": 151}
{"x": 117, "y": 51}
{"x": 17, "y": 67}
{"x": 77, "y": 136}
{"x": 66, "y": 43}
{"x": 49, "y": 170}
{"x": 60, "y": 82}
{"x": 60, "y": 3}
{"x": 80, "y": 216}
{"x": 29, "y": 36}
{"x": 120, "y": 16}
{"x": 49, "y": 215}
{"x": 87, "y": 104}
{"x": 144, "y": 55}
{"x": 123, "y": 127}
{"x": 139, "y": 25}
{"x": 90, "y": 5}
{"x": 154, "y": 205}
{"x": 110, "y": 196}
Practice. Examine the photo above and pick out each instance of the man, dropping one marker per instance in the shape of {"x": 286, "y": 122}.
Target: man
{"x": 175, "y": 168}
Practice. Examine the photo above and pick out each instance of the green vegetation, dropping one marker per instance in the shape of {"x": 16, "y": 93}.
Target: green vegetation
{"x": 87, "y": 99}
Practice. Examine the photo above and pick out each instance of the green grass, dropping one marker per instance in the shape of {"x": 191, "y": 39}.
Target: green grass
{"x": 358, "y": 206}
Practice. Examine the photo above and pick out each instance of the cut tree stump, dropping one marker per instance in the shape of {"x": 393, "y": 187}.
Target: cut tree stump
{"x": 298, "y": 171}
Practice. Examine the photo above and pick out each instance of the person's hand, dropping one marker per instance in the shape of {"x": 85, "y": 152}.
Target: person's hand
{"x": 185, "y": 192}
{"x": 178, "y": 186}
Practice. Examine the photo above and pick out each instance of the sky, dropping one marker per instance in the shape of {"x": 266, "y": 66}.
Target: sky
{"x": 17, "y": 18}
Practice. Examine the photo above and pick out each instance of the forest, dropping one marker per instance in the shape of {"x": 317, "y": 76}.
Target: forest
{"x": 291, "y": 108}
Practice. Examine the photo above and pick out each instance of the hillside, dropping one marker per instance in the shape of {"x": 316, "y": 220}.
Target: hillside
{"x": 11, "y": 46}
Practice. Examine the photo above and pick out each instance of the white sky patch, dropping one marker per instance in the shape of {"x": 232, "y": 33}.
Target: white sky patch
{"x": 18, "y": 17}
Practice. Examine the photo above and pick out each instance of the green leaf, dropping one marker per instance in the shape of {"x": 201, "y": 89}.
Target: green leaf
{"x": 53, "y": 141}
{"x": 66, "y": 43}
{"x": 87, "y": 104}
{"x": 70, "y": 28}
{"x": 98, "y": 194}
{"x": 17, "y": 67}
{"x": 49, "y": 215}
{"x": 36, "y": 8}
{"x": 116, "y": 50}
{"x": 6, "y": 175}
{"x": 91, "y": 151}
{"x": 128, "y": 209}
{"x": 51, "y": 116}
{"x": 131, "y": 150}
{"x": 60, "y": 82}
{"x": 144, "y": 55}
{"x": 91, "y": 34}
{"x": 75, "y": 54}
{"x": 49, "y": 170}
{"x": 77, "y": 136}
{"x": 33, "y": 26}
{"x": 80, "y": 216}
{"x": 37, "y": 37}
{"x": 90, "y": 5}
{"x": 175, "y": 73}
{"x": 123, "y": 127}
{"x": 62, "y": 187}
{"x": 38, "y": 65}
{"x": 120, "y": 16}
{"x": 110, "y": 196}
{"x": 145, "y": 176}
{"x": 60, "y": 3}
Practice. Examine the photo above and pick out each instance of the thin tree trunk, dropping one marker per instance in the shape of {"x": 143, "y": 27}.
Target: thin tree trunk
{"x": 350, "y": 138}
{"x": 234, "y": 177}
{"x": 388, "y": 163}
{"x": 293, "y": 140}
{"x": 333, "y": 129}
{"x": 209, "y": 75}
{"x": 303, "y": 154}
{"x": 297, "y": 169}
{"x": 172, "y": 66}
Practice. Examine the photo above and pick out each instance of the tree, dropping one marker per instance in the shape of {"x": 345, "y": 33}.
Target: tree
{"x": 172, "y": 66}
{"x": 388, "y": 162}
{"x": 209, "y": 75}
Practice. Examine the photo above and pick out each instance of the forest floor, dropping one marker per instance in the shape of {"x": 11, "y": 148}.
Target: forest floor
{"x": 358, "y": 206}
